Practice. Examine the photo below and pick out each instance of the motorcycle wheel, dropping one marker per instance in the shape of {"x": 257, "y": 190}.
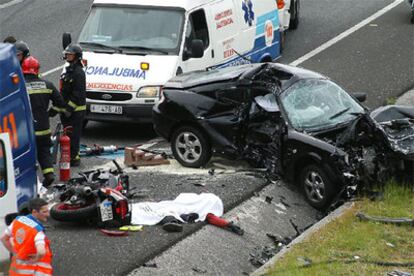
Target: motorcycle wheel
{"x": 65, "y": 212}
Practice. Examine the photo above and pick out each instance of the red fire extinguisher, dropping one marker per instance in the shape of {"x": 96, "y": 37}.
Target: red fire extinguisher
{"x": 64, "y": 162}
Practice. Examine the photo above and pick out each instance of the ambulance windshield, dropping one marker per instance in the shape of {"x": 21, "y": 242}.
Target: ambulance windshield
{"x": 141, "y": 30}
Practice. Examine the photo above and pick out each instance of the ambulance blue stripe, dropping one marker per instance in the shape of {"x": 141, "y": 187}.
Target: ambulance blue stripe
{"x": 260, "y": 49}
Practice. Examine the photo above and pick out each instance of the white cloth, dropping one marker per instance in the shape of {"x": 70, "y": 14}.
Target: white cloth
{"x": 150, "y": 213}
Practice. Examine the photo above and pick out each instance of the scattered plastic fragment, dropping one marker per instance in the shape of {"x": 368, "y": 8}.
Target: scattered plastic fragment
{"x": 153, "y": 265}
{"x": 113, "y": 233}
{"x": 268, "y": 199}
{"x": 132, "y": 228}
{"x": 390, "y": 244}
{"x": 398, "y": 273}
{"x": 304, "y": 262}
{"x": 199, "y": 270}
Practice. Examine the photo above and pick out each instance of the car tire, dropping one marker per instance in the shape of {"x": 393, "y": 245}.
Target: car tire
{"x": 317, "y": 187}
{"x": 190, "y": 147}
{"x": 294, "y": 15}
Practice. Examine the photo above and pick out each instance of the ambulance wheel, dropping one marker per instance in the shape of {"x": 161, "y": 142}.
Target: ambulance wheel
{"x": 190, "y": 147}
{"x": 65, "y": 212}
{"x": 282, "y": 41}
{"x": 294, "y": 15}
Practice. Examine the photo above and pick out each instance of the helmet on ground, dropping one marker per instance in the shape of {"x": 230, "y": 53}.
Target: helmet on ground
{"x": 22, "y": 48}
{"x": 30, "y": 65}
{"x": 74, "y": 49}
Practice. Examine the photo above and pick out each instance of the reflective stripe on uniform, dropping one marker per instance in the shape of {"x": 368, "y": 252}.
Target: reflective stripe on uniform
{"x": 43, "y": 132}
{"x": 77, "y": 107}
{"x": 58, "y": 109}
{"x": 41, "y": 264}
{"x": 23, "y": 271}
{"x": 47, "y": 170}
{"x": 29, "y": 272}
{"x": 39, "y": 91}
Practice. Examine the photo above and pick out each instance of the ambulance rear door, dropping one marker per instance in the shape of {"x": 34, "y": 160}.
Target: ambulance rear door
{"x": 8, "y": 202}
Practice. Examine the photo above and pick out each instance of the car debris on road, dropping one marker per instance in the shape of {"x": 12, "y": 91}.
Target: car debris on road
{"x": 135, "y": 156}
{"x": 298, "y": 124}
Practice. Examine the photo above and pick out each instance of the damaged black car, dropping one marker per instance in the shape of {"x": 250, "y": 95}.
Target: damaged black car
{"x": 296, "y": 123}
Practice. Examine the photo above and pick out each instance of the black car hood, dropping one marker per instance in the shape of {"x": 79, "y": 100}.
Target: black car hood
{"x": 397, "y": 122}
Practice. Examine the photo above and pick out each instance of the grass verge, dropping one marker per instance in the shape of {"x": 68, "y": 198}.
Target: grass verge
{"x": 348, "y": 246}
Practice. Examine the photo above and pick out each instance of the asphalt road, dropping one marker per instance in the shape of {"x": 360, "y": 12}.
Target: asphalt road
{"x": 377, "y": 59}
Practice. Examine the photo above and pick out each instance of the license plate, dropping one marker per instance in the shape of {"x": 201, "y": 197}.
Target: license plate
{"x": 104, "y": 108}
{"x": 106, "y": 210}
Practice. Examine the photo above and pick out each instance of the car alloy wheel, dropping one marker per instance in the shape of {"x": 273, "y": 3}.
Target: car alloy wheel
{"x": 317, "y": 186}
{"x": 314, "y": 186}
{"x": 190, "y": 147}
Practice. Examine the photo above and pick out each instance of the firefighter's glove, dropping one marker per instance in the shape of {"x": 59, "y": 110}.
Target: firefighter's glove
{"x": 67, "y": 113}
{"x": 235, "y": 229}
{"x": 52, "y": 112}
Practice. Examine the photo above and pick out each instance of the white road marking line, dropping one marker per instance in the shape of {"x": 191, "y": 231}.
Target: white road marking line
{"x": 52, "y": 70}
{"x": 346, "y": 33}
{"x": 2, "y": 6}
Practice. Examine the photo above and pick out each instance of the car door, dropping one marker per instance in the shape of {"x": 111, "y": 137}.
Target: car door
{"x": 226, "y": 126}
{"x": 8, "y": 199}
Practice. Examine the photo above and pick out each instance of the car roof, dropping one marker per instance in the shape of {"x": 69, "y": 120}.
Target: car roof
{"x": 185, "y": 4}
{"x": 286, "y": 73}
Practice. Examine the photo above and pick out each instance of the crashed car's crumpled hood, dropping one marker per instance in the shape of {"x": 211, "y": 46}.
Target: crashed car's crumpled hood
{"x": 397, "y": 122}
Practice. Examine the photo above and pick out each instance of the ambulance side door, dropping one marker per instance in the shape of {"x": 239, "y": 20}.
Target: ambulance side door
{"x": 198, "y": 27}
{"x": 227, "y": 30}
{"x": 8, "y": 197}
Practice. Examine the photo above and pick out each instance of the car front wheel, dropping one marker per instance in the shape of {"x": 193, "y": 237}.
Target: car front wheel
{"x": 190, "y": 147}
{"x": 318, "y": 188}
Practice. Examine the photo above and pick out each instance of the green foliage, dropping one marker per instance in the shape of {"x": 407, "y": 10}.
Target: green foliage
{"x": 390, "y": 101}
{"x": 348, "y": 246}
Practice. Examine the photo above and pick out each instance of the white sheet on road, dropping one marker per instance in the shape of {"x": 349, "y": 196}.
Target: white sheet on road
{"x": 150, "y": 213}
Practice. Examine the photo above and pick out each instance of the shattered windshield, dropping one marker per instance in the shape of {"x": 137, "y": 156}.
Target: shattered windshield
{"x": 133, "y": 29}
{"x": 315, "y": 104}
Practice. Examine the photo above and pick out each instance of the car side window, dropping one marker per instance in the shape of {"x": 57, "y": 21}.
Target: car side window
{"x": 3, "y": 171}
{"x": 197, "y": 28}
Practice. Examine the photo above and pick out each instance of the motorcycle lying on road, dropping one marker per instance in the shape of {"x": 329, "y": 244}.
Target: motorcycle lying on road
{"x": 98, "y": 196}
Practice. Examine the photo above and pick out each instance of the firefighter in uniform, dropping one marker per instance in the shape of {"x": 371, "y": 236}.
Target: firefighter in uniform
{"x": 41, "y": 92}
{"x": 25, "y": 239}
{"x": 22, "y": 51}
{"x": 73, "y": 89}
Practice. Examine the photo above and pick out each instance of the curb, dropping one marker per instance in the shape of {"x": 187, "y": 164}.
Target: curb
{"x": 330, "y": 217}
{"x": 407, "y": 98}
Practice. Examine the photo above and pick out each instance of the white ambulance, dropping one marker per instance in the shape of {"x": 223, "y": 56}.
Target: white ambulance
{"x": 132, "y": 47}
